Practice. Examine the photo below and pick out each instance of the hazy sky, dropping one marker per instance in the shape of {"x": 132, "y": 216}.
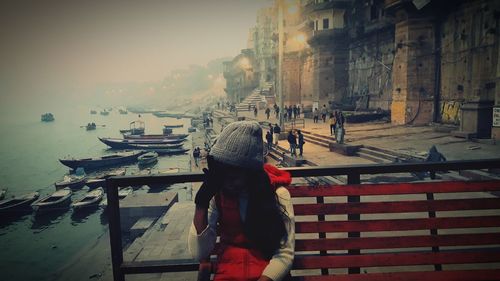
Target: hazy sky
{"x": 65, "y": 43}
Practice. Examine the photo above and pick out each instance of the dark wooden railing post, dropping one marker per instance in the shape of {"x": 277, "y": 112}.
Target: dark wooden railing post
{"x": 320, "y": 200}
{"x": 353, "y": 178}
{"x": 434, "y": 232}
{"x": 115, "y": 236}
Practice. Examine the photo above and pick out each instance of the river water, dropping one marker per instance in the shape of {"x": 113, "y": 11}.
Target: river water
{"x": 33, "y": 247}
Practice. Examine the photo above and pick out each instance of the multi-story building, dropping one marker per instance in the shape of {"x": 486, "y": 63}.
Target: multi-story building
{"x": 241, "y": 76}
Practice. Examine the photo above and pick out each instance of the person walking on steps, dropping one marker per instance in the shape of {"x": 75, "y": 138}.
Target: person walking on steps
{"x": 301, "y": 142}
{"x": 268, "y": 112}
{"x": 245, "y": 202}
{"x": 269, "y": 139}
{"x": 277, "y": 132}
{"x": 333, "y": 122}
{"x": 255, "y": 111}
{"x": 292, "y": 141}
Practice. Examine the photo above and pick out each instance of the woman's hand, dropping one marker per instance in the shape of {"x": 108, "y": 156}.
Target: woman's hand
{"x": 207, "y": 190}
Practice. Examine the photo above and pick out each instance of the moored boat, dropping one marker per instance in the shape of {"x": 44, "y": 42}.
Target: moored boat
{"x": 156, "y": 137}
{"x": 20, "y": 203}
{"x": 129, "y": 143}
{"x": 93, "y": 111}
{"x": 91, "y": 199}
{"x": 156, "y": 146}
{"x": 99, "y": 180}
{"x": 56, "y": 201}
{"x": 104, "y": 112}
{"x": 136, "y": 128}
{"x": 103, "y": 161}
{"x": 71, "y": 181}
{"x": 171, "y": 151}
{"x": 148, "y": 158}
{"x": 173, "y": 126}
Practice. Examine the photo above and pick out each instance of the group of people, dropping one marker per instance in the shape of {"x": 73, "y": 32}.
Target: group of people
{"x": 197, "y": 155}
{"x": 272, "y": 135}
{"x": 291, "y": 112}
{"x": 296, "y": 141}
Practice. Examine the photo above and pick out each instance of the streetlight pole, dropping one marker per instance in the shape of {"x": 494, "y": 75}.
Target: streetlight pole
{"x": 280, "y": 61}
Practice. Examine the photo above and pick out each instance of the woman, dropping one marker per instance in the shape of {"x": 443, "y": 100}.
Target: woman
{"x": 253, "y": 210}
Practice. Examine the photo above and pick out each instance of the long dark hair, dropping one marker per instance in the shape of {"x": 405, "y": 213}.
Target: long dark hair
{"x": 264, "y": 224}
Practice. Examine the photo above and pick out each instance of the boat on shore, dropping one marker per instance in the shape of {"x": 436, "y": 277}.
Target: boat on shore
{"x": 56, "y": 201}
{"x": 91, "y": 199}
{"x": 103, "y": 161}
{"x": 174, "y": 151}
{"x": 129, "y": 143}
{"x": 173, "y": 126}
{"x": 18, "y": 204}
{"x": 47, "y": 117}
{"x": 71, "y": 181}
{"x": 148, "y": 158}
{"x": 100, "y": 180}
{"x": 155, "y": 137}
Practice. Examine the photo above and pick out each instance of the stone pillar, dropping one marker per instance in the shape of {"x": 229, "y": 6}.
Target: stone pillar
{"x": 413, "y": 72}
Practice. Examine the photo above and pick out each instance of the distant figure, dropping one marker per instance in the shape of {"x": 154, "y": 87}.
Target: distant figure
{"x": 196, "y": 155}
{"x": 340, "y": 119}
{"x": 434, "y": 156}
{"x": 277, "y": 132}
{"x": 255, "y": 111}
{"x": 294, "y": 110}
{"x": 268, "y": 112}
{"x": 269, "y": 139}
{"x": 298, "y": 111}
{"x": 324, "y": 111}
{"x": 290, "y": 112}
{"x": 249, "y": 107}
{"x": 300, "y": 142}
{"x": 333, "y": 123}
{"x": 277, "y": 110}
{"x": 315, "y": 115}
{"x": 292, "y": 141}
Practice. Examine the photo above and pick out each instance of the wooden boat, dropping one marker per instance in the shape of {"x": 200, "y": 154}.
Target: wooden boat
{"x": 104, "y": 112}
{"x": 20, "y": 203}
{"x": 155, "y": 137}
{"x": 171, "y": 151}
{"x": 47, "y": 117}
{"x": 93, "y": 112}
{"x": 136, "y": 128}
{"x": 99, "y": 180}
{"x": 71, "y": 181}
{"x": 129, "y": 143}
{"x": 56, "y": 201}
{"x": 156, "y": 146}
{"x": 91, "y": 199}
{"x": 148, "y": 158}
{"x": 90, "y": 126}
{"x": 103, "y": 161}
{"x": 173, "y": 126}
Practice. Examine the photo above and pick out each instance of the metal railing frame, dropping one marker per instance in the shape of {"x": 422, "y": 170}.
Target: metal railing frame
{"x": 353, "y": 173}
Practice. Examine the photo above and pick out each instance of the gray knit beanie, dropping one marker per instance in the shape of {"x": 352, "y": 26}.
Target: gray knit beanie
{"x": 240, "y": 144}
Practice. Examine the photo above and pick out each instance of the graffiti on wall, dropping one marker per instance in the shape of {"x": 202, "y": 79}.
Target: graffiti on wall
{"x": 450, "y": 112}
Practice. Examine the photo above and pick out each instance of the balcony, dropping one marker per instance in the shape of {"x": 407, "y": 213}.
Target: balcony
{"x": 333, "y": 4}
{"x": 326, "y": 35}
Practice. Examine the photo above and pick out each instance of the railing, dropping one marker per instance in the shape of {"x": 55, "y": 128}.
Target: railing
{"x": 353, "y": 173}
{"x": 295, "y": 123}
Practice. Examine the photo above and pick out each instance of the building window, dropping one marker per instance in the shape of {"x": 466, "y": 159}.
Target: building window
{"x": 326, "y": 24}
